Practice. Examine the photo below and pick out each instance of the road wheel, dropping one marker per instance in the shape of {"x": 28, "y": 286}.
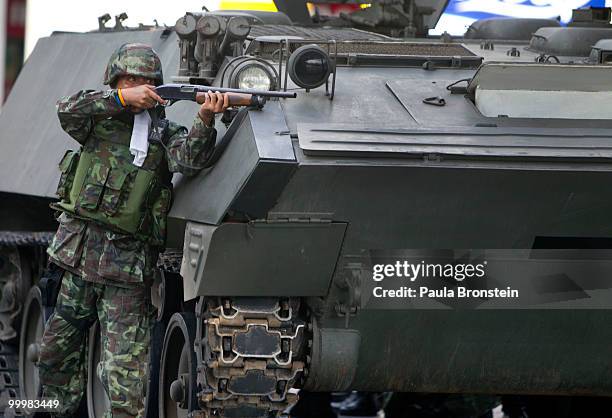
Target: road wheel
{"x": 177, "y": 380}
{"x": 32, "y": 327}
{"x": 97, "y": 400}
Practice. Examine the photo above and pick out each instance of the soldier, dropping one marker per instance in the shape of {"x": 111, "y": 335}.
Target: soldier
{"x": 115, "y": 195}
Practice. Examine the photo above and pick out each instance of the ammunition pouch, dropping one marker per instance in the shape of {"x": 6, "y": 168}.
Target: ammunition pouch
{"x": 49, "y": 284}
{"x": 101, "y": 184}
{"x": 67, "y": 168}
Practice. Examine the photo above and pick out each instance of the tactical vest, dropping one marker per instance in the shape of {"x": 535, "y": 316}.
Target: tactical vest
{"x": 99, "y": 183}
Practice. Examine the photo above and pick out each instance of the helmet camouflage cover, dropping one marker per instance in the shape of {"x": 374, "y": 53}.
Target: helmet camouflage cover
{"x": 134, "y": 59}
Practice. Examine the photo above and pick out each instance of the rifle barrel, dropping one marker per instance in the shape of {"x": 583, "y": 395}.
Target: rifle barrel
{"x": 191, "y": 88}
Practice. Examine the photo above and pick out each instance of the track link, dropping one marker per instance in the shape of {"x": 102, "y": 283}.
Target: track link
{"x": 251, "y": 352}
{"x": 9, "y": 379}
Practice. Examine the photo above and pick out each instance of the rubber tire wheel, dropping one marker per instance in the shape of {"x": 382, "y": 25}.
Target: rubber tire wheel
{"x": 32, "y": 328}
{"x": 178, "y": 352}
{"x": 97, "y": 400}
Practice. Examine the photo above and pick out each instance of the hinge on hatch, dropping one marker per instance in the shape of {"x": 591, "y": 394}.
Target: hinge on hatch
{"x": 299, "y": 217}
{"x": 349, "y": 280}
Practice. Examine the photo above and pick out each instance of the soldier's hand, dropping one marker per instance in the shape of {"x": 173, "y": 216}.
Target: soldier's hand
{"x": 213, "y": 103}
{"x": 141, "y": 97}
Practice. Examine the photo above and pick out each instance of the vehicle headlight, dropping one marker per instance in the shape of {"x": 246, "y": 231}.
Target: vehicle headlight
{"x": 309, "y": 66}
{"x": 249, "y": 73}
{"x": 253, "y": 77}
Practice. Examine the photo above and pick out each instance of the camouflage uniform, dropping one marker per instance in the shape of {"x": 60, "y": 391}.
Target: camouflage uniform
{"x": 124, "y": 315}
{"x": 108, "y": 274}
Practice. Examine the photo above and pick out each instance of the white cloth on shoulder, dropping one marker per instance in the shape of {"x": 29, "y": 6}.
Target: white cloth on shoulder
{"x": 139, "y": 144}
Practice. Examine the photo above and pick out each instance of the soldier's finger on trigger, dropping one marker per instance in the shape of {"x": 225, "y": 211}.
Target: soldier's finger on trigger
{"x": 155, "y": 97}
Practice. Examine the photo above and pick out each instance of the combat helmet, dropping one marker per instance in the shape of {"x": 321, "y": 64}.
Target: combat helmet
{"x": 134, "y": 59}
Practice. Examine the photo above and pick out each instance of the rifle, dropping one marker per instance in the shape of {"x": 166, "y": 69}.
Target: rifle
{"x": 237, "y": 97}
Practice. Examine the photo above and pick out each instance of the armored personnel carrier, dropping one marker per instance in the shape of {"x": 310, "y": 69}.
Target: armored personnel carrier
{"x": 499, "y": 140}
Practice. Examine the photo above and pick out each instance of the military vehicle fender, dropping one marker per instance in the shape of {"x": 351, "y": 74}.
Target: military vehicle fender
{"x": 280, "y": 257}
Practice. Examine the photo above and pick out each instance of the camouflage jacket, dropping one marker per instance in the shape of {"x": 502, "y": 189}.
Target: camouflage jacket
{"x": 89, "y": 250}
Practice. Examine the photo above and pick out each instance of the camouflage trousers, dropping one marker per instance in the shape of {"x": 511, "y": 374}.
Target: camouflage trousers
{"x": 125, "y": 318}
